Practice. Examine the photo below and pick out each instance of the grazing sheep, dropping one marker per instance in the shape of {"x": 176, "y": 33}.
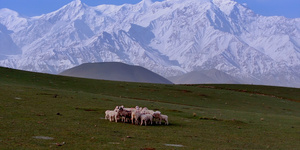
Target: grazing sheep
{"x": 137, "y": 107}
{"x": 165, "y": 118}
{"x": 111, "y": 115}
{"x": 124, "y": 114}
{"x": 107, "y": 114}
{"x": 128, "y": 109}
{"x": 145, "y": 110}
{"x": 146, "y": 118}
{"x": 114, "y": 116}
{"x": 157, "y": 117}
{"x": 135, "y": 116}
{"x": 117, "y": 108}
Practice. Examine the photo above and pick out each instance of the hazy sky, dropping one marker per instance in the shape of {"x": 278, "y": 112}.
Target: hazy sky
{"x": 287, "y": 8}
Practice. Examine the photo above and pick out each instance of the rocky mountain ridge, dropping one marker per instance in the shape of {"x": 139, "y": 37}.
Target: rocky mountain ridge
{"x": 171, "y": 38}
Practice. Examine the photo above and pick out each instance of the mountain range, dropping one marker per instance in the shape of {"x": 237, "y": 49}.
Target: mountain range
{"x": 212, "y": 76}
{"x": 171, "y": 38}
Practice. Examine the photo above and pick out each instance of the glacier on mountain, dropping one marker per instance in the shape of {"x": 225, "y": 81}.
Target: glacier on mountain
{"x": 171, "y": 38}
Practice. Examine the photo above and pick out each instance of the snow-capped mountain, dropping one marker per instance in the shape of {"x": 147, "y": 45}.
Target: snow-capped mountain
{"x": 171, "y": 38}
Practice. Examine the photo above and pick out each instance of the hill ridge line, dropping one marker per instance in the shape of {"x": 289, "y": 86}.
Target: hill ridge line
{"x": 245, "y": 91}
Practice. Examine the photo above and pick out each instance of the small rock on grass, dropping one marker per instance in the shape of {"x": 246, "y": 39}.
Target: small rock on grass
{"x": 61, "y": 144}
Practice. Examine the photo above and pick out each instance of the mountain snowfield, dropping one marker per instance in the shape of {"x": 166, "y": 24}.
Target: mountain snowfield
{"x": 170, "y": 38}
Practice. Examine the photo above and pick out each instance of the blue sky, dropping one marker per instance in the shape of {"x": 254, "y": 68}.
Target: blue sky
{"x": 287, "y": 8}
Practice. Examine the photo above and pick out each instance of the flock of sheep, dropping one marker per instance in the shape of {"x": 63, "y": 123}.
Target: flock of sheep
{"x": 137, "y": 115}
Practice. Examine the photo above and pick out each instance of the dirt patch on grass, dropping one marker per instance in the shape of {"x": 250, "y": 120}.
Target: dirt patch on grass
{"x": 174, "y": 110}
{"x": 147, "y": 148}
{"x": 206, "y": 118}
{"x": 87, "y": 109}
{"x": 186, "y": 91}
{"x": 203, "y": 95}
{"x": 230, "y": 121}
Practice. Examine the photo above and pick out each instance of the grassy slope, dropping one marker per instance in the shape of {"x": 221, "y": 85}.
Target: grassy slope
{"x": 231, "y": 114}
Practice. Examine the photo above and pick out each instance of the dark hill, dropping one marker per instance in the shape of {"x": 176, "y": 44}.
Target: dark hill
{"x": 115, "y": 71}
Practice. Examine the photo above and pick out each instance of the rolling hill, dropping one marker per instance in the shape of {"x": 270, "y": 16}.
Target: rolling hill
{"x": 44, "y": 111}
{"x": 115, "y": 71}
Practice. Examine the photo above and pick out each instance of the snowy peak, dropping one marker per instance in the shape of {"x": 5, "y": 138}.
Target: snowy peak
{"x": 145, "y": 5}
{"x": 76, "y": 3}
{"x": 70, "y": 11}
{"x": 7, "y": 12}
{"x": 225, "y": 6}
{"x": 12, "y": 20}
{"x": 146, "y": 2}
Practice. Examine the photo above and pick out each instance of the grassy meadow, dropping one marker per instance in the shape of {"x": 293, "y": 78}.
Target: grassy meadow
{"x": 42, "y": 111}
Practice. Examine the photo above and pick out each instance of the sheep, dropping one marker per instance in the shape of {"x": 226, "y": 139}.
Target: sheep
{"x": 165, "y": 118}
{"x": 137, "y": 107}
{"x": 128, "y": 109}
{"x": 111, "y": 115}
{"x": 114, "y": 116}
{"x": 145, "y": 118}
{"x": 157, "y": 117}
{"x": 117, "y": 108}
{"x": 145, "y": 110}
{"x": 135, "y": 116}
{"x": 124, "y": 114}
{"x": 107, "y": 114}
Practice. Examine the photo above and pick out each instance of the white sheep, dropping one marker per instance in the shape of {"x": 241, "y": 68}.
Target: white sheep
{"x": 145, "y": 110}
{"x": 111, "y": 115}
{"x": 107, "y": 114}
{"x": 124, "y": 108}
{"x": 135, "y": 116}
{"x": 117, "y": 108}
{"x": 146, "y": 118}
{"x": 157, "y": 117}
{"x": 165, "y": 118}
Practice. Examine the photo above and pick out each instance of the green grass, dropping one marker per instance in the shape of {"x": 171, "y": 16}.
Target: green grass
{"x": 70, "y": 110}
